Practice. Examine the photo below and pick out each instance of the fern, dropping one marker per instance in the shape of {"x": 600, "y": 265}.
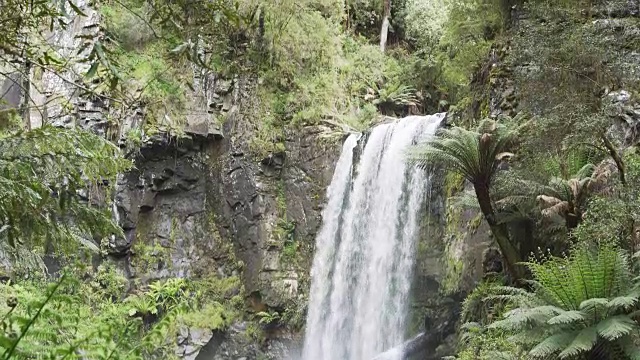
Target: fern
{"x": 63, "y": 323}
{"x": 581, "y": 304}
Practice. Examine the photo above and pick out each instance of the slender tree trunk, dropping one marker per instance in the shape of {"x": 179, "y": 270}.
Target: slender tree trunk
{"x": 499, "y": 231}
{"x": 635, "y": 236}
{"x": 25, "y": 111}
{"x": 572, "y": 221}
{"x": 384, "y": 32}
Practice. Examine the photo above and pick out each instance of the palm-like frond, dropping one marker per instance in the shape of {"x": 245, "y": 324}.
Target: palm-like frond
{"x": 567, "y": 197}
{"x": 472, "y": 153}
{"x": 513, "y": 198}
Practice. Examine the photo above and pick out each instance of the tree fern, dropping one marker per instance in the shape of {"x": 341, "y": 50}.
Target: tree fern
{"x": 583, "y": 304}
{"x": 476, "y": 155}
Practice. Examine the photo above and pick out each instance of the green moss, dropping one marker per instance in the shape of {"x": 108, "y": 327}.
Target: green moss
{"x": 290, "y": 252}
{"x": 213, "y": 316}
{"x": 453, "y": 183}
{"x": 148, "y": 257}
{"x": 215, "y": 287}
{"x": 475, "y": 223}
{"x": 254, "y": 332}
{"x": 142, "y": 58}
{"x": 453, "y": 272}
{"x": 454, "y": 233}
{"x": 109, "y": 281}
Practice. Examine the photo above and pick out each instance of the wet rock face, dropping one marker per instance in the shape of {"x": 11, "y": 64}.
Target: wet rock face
{"x": 206, "y": 206}
{"x": 273, "y": 202}
{"x": 516, "y": 73}
{"x": 161, "y": 206}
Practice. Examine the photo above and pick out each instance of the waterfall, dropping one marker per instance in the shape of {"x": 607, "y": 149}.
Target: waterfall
{"x": 362, "y": 268}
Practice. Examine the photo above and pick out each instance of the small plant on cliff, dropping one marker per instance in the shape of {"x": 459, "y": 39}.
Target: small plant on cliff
{"x": 584, "y": 306}
{"x": 476, "y": 154}
{"x": 267, "y": 318}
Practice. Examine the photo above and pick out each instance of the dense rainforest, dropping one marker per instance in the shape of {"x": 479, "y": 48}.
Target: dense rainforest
{"x": 168, "y": 99}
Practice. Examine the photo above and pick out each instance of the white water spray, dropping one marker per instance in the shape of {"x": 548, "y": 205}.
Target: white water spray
{"x": 362, "y": 269}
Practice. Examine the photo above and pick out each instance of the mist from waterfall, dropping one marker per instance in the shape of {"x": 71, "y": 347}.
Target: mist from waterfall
{"x": 362, "y": 269}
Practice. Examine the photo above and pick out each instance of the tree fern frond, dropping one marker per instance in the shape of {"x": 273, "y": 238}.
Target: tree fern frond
{"x": 584, "y": 341}
{"x": 630, "y": 348}
{"x": 567, "y": 317}
{"x": 615, "y": 327}
{"x": 522, "y": 318}
{"x": 623, "y": 302}
{"x": 552, "y": 344}
{"x": 594, "y": 304}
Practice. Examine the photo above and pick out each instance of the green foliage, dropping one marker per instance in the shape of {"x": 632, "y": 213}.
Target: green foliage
{"x": 108, "y": 282}
{"x": 425, "y": 22}
{"x": 294, "y": 316}
{"x": 213, "y": 315}
{"x": 488, "y": 302}
{"x": 148, "y": 256}
{"x": 65, "y": 320}
{"x": 479, "y": 342}
{"x": 476, "y": 155}
{"x": 42, "y": 173}
{"x": 72, "y": 318}
{"x": 568, "y": 198}
{"x": 467, "y": 37}
{"x": 612, "y": 215}
{"x": 582, "y": 304}
{"x": 127, "y": 23}
{"x": 470, "y": 153}
{"x": 267, "y": 318}
{"x": 25, "y": 45}
{"x": 140, "y": 50}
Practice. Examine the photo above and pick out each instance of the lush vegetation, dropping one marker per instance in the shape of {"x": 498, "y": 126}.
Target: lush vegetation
{"x": 557, "y": 187}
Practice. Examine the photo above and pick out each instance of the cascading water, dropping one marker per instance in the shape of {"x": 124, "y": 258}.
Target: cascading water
{"x": 362, "y": 269}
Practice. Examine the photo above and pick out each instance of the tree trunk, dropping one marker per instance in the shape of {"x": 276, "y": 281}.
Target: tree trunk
{"x": 25, "y": 110}
{"x": 384, "y": 32}
{"x": 500, "y": 232}
{"x": 521, "y": 232}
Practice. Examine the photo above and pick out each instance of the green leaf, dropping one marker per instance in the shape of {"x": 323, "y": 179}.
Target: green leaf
{"x": 594, "y": 304}
{"x": 92, "y": 70}
{"x": 6, "y": 342}
{"x": 623, "y": 302}
{"x": 567, "y": 317}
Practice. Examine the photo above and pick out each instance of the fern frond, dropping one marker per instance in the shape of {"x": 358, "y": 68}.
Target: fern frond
{"x": 623, "y": 302}
{"x": 584, "y": 341}
{"x": 615, "y": 327}
{"x": 552, "y": 345}
{"x": 567, "y": 317}
{"x": 522, "y": 318}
